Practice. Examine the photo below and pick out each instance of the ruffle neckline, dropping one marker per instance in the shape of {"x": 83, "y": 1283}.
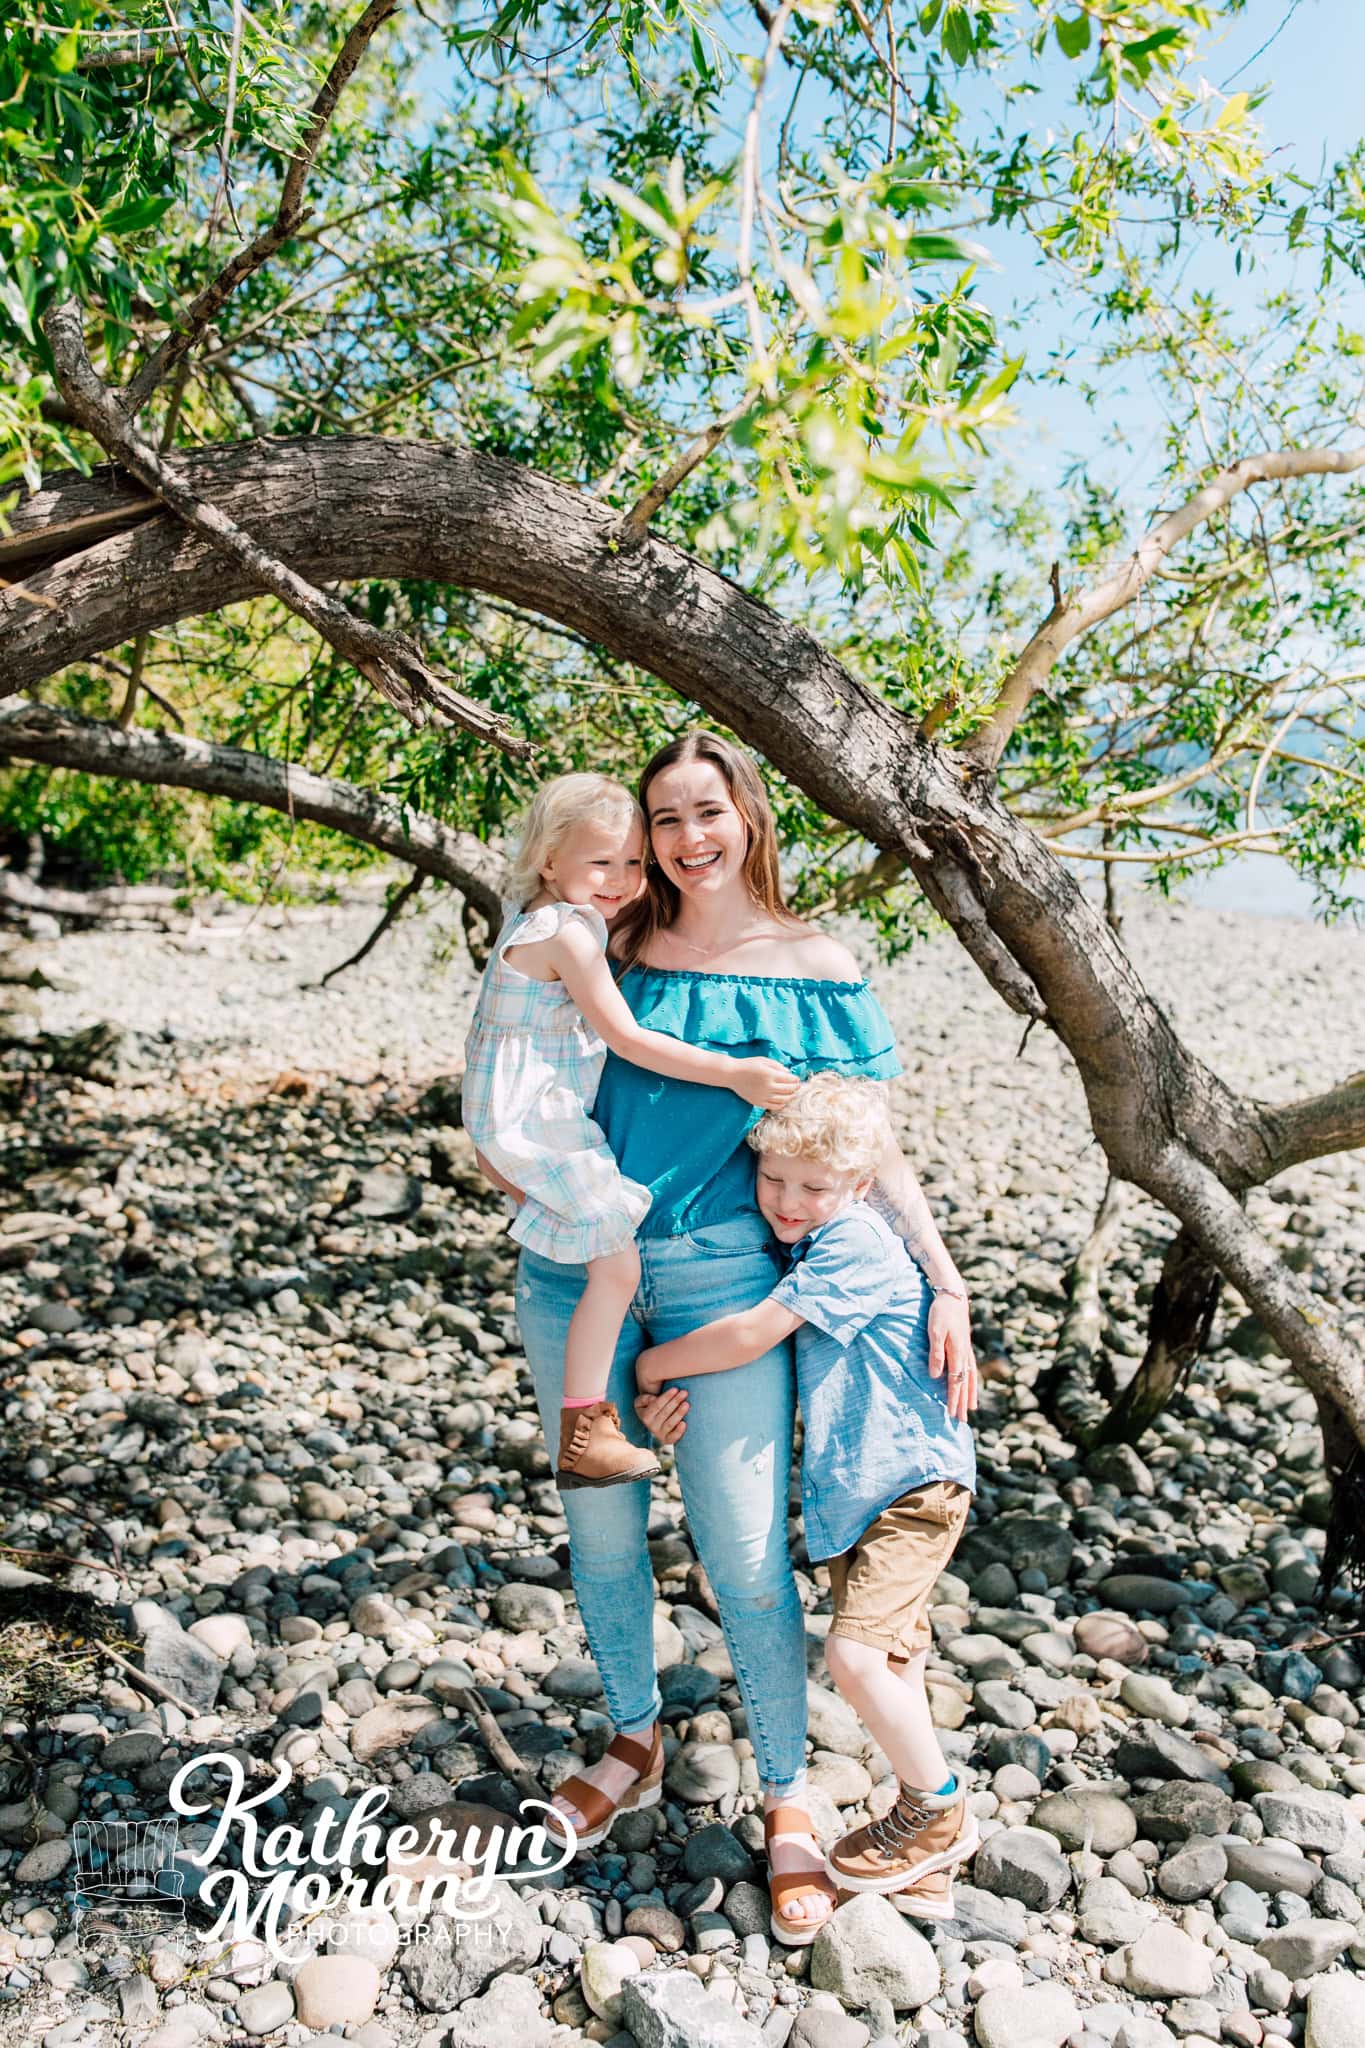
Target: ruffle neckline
{"x": 806, "y": 1022}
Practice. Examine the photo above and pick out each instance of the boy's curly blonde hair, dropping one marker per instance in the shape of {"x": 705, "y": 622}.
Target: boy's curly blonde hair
{"x": 839, "y": 1120}
{"x": 554, "y": 811}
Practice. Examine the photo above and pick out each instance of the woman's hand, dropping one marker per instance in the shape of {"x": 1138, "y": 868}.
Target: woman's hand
{"x": 647, "y": 1377}
{"x": 764, "y": 1083}
{"x": 950, "y": 1351}
{"x": 664, "y": 1415}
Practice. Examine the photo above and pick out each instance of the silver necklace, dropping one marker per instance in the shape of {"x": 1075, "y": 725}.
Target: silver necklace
{"x": 705, "y": 952}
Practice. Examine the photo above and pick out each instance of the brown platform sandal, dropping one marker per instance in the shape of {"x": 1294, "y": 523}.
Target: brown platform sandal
{"x": 784, "y": 1886}
{"x": 930, "y": 1899}
{"x": 594, "y": 1451}
{"x": 647, "y": 1758}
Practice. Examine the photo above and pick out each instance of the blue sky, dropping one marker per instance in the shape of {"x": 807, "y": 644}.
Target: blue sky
{"x": 1314, "y": 113}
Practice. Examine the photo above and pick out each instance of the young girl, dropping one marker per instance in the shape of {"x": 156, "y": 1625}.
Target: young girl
{"x": 547, "y": 1012}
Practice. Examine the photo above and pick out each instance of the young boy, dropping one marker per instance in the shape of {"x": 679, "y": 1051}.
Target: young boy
{"x": 887, "y": 1475}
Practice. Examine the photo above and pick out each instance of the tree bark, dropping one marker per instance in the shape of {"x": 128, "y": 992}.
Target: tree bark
{"x": 101, "y": 563}
{"x": 1178, "y": 1329}
{"x": 1066, "y": 1391}
{"x": 39, "y": 732}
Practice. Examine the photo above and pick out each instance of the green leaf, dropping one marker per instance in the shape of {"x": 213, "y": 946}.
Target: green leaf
{"x": 958, "y": 42}
{"x": 67, "y": 53}
{"x": 1074, "y": 36}
{"x": 135, "y": 214}
{"x": 1148, "y": 46}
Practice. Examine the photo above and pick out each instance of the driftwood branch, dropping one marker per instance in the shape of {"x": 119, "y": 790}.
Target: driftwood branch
{"x": 143, "y": 902}
{"x": 289, "y": 216}
{"x": 1072, "y": 616}
{"x": 390, "y": 661}
{"x": 393, "y": 910}
{"x": 1069, "y": 1392}
{"x": 38, "y": 732}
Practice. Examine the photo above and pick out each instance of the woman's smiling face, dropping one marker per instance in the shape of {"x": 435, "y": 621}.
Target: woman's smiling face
{"x": 696, "y": 834}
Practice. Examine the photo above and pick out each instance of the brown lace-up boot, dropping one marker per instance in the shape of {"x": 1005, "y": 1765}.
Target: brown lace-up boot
{"x": 923, "y": 1833}
{"x": 594, "y": 1452}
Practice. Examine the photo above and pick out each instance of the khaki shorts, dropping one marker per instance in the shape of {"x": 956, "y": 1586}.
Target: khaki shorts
{"x": 882, "y": 1586}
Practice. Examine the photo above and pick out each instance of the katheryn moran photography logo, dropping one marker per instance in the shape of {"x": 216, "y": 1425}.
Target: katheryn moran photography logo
{"x": 286, "y": 1874}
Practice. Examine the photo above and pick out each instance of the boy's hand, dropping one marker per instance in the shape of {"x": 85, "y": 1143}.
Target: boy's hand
{"x": 664, "y": 1415}
{"x": 950, "y": 1350}
{"x": 764, "y": 1083}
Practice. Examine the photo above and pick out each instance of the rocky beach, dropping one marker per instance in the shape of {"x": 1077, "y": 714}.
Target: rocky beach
{"x": 272, "y": 1484}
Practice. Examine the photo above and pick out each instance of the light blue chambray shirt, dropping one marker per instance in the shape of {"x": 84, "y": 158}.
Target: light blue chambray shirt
{"x": 876, "y": 1425}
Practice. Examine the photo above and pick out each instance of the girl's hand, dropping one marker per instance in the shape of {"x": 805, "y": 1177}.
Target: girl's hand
{"x": 647, "y": 1378}
{"x": 664, "y": 1415}
{"x": 764, "y": 1083}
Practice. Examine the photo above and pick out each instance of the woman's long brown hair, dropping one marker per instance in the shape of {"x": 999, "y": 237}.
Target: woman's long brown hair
{"x": 657, "y": 908}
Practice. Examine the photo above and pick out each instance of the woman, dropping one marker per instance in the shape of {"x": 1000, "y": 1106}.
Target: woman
{"x": 711, "y": 955}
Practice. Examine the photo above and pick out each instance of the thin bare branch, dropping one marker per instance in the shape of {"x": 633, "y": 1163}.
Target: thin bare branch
{"x": 635, "y": 524}
{"x": 39, "y": 732}
{"x": 392, "y": 662}
{"x": 289, "y": 215}
{"x": 1075, "y": 615}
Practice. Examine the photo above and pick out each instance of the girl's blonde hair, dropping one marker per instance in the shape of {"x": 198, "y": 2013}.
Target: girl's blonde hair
{"x": 555, "y": 809}
{"x": 839, "y": 1120}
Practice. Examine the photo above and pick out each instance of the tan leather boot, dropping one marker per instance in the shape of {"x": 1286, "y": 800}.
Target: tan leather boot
{"x": 917, "y": 1837}
{"x": 594, "y": 1452}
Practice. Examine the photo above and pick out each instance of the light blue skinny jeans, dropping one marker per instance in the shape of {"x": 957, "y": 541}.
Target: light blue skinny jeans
{"x": 734, "y": 1461}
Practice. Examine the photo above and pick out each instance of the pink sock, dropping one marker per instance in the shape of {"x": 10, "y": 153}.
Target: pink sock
{"x": 581, "y": 1401}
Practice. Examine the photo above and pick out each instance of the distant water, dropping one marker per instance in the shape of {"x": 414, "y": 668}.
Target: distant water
{"x": 1257, "y": 883}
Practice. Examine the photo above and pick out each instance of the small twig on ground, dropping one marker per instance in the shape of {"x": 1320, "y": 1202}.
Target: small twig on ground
{"x": 495, "y": 1742}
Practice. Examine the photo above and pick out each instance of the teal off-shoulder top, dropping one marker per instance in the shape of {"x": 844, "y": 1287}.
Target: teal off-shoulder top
{"x": 685, "y": 1142}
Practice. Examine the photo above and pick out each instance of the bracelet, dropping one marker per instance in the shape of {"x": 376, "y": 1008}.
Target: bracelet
{"x": 954, "y": 1293}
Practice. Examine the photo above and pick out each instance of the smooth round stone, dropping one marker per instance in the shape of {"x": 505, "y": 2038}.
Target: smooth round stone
{"x": 1087, "y": 1815}
{"x": 1154, "y": 1699}
{"x": 1029, "y": 1752}
{"x": 1012, "y": 1781}
{"x": 657, "y": 1925}
{"x": 703, "y": 1773}
{"x": 1242, "y": 1913}
{"x": 602, "y": 1972}
{"x": 521, "y": 1606}
{"x": 222, "y": 1633}
{"x": 1042, "y": 2016}
{"x": 1336, "y": 2013}
{"x": 1113, "y": 1636}
{"x": 332, "y": 1989}
{"x": 1193, "y": 1872}
{"x": 270, "y": 2006}
{"x": 370, "y": 1932}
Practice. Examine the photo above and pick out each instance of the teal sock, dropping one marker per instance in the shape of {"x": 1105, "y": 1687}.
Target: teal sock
{"x": 946, "y": 1790}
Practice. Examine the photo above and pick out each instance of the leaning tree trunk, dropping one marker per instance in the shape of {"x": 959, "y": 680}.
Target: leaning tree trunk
{"x": 92, "y": 562}
{"x": 1183, "y": 1309}
{"x": 1344, "y": 1552}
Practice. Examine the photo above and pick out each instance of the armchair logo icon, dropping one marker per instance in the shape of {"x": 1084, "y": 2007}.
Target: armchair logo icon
{"x": 127, "y": 1876}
